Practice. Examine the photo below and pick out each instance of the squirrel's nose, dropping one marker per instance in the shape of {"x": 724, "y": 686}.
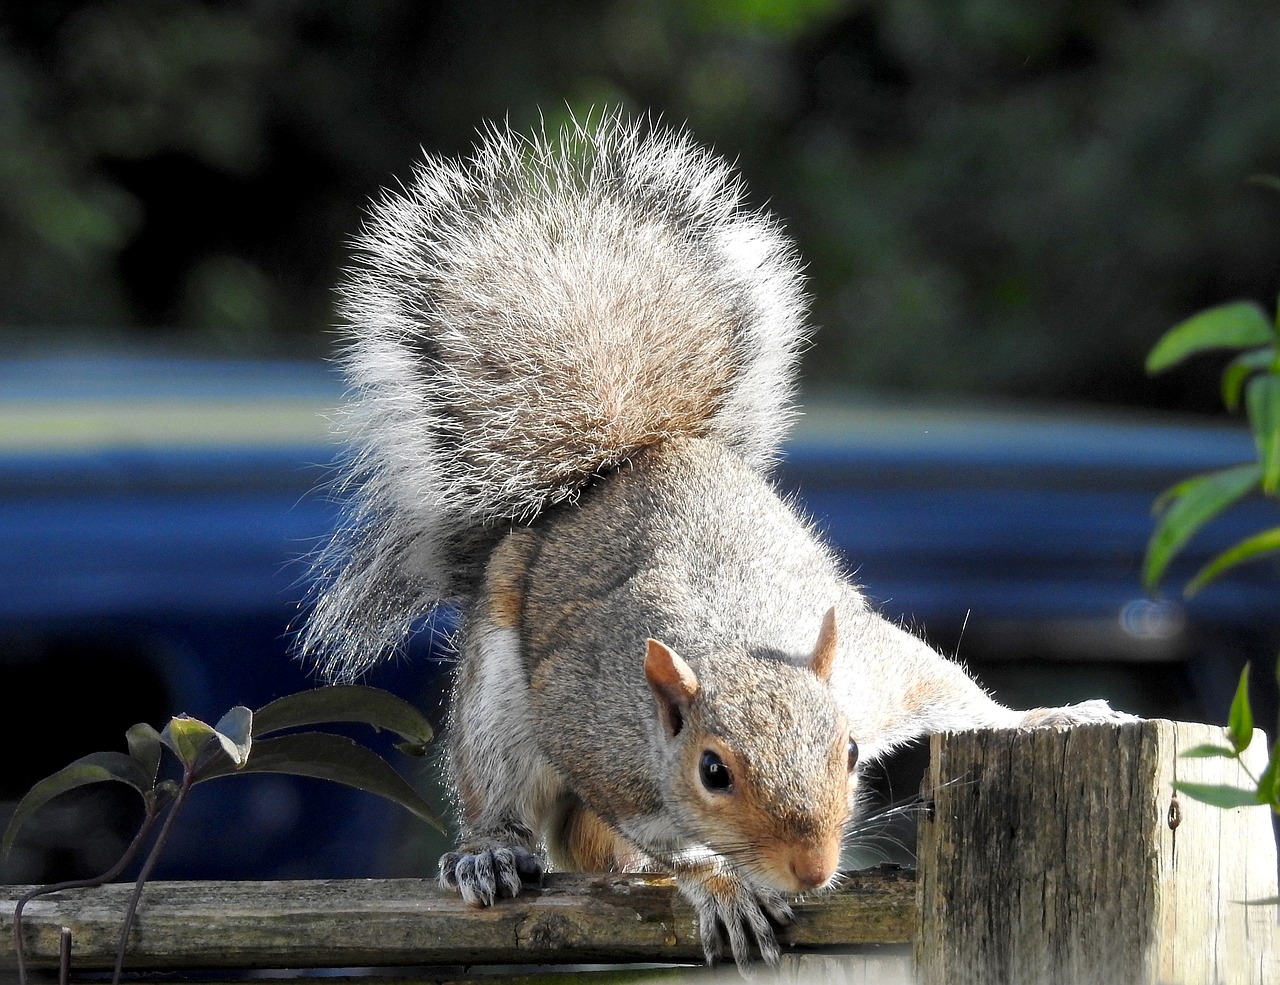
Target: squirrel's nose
{"x": 813, "y": 867}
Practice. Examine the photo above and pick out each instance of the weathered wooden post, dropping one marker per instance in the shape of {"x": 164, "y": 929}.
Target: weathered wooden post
{"x": 1064, "y": 857}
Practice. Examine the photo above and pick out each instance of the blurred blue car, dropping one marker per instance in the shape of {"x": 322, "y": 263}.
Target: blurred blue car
{"x": 1014, "y": 539}
{"x": 155, "y": 517}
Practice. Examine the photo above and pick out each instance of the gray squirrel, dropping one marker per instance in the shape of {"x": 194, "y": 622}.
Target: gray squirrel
{"x": 572, "y": 361}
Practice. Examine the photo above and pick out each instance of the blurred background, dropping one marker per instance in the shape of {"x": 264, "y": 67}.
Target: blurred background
{"x": 1002, "y": 206}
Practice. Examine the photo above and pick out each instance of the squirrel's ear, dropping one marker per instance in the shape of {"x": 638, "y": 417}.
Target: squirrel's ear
{"x": 673, "y": 683}
{"x": 824, "y": 653}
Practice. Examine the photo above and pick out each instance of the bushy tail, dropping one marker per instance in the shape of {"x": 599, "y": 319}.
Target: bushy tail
{"x": 524, "y": 320}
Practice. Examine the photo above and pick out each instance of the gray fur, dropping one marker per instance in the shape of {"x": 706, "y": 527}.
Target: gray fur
{"x": 523, "y": 321}
{"x": 592, "y": 331}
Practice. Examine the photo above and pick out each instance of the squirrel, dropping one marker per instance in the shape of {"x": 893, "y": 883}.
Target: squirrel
{"x": 572, "y": 360}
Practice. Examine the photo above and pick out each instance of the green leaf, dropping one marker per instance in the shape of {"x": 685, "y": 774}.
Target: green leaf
{"x": 1246, "y": 550}
{"x": 1262, "y": 400}
{"x": 1240, "y": 325}
{"x": 187, "y": 738}
{"x": 1208, "y": 751}
{"x": 166, "y": 790}
{"x": 1187, "y": 507}
{"x": 235, "y": 733}
{"x": 1217, "y": 795}
{"x": 1240, "y": 369}
{"x": 754, "y": 17}
{"x": 145, "y": 746}
{"x": 347, "y": 703}
{"x": 1269, "y": 782}
{"x": 1240, "y": 720}
{"x": 335, "y": 758}
{"x": 97, "y": 767}
{"x": 1265, "y": 180}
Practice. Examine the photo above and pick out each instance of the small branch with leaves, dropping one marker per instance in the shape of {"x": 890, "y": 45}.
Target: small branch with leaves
{"x": 1251, "y": 378}
{"x": 234, "y": 746}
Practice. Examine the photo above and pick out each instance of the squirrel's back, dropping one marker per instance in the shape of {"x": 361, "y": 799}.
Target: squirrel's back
{"x": 523, "y": 321}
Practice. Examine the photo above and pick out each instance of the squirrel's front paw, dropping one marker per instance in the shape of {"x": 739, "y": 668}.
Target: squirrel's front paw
{"x": 482, "y": 872}
{"x": 1096, "y": 712}
{"x": 747, "y": 916}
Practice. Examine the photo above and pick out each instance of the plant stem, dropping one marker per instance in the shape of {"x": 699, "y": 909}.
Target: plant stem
{"x": 188, "y": 781}
{"x": 129, "y": 853}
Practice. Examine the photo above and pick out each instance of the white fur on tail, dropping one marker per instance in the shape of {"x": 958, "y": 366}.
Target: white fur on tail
{"x": 524, "y": 320}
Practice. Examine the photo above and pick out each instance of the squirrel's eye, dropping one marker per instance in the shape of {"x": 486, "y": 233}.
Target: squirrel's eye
{"x": 714, "y": 774}
{"x": 853, "y": 755}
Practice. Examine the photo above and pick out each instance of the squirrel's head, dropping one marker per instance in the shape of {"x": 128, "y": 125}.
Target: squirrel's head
{"x": 760, "y": 766}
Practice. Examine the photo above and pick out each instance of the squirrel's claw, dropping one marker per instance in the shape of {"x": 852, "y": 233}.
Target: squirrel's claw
{"x": 1095, "y": 712}
{"x": 746, "y": 916}
{"x": 483, "y": 873}
{"x": 776, "y": 909}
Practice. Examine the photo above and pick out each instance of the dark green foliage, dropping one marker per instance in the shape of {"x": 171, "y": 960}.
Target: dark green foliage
{"x": 234, "y": 746}
{"x": 1239, "y": 733}
{"x": 993, "y": 196}
{"x": 1245, "y": 329}
{"x": 1185, "y": 508}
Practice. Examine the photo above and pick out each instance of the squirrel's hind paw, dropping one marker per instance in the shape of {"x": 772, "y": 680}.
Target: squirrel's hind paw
{"x": 483, "y": 873}
{"x": 1096, "y": 712}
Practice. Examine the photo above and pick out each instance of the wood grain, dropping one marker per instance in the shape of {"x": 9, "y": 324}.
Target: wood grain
{"x": 1050, "y": 857}
{"x": 339, "y": 924}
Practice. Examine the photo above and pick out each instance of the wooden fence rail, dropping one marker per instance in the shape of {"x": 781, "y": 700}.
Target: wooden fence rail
{"x": 1050, "y": 856}
{"x": 350, "y": 923}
